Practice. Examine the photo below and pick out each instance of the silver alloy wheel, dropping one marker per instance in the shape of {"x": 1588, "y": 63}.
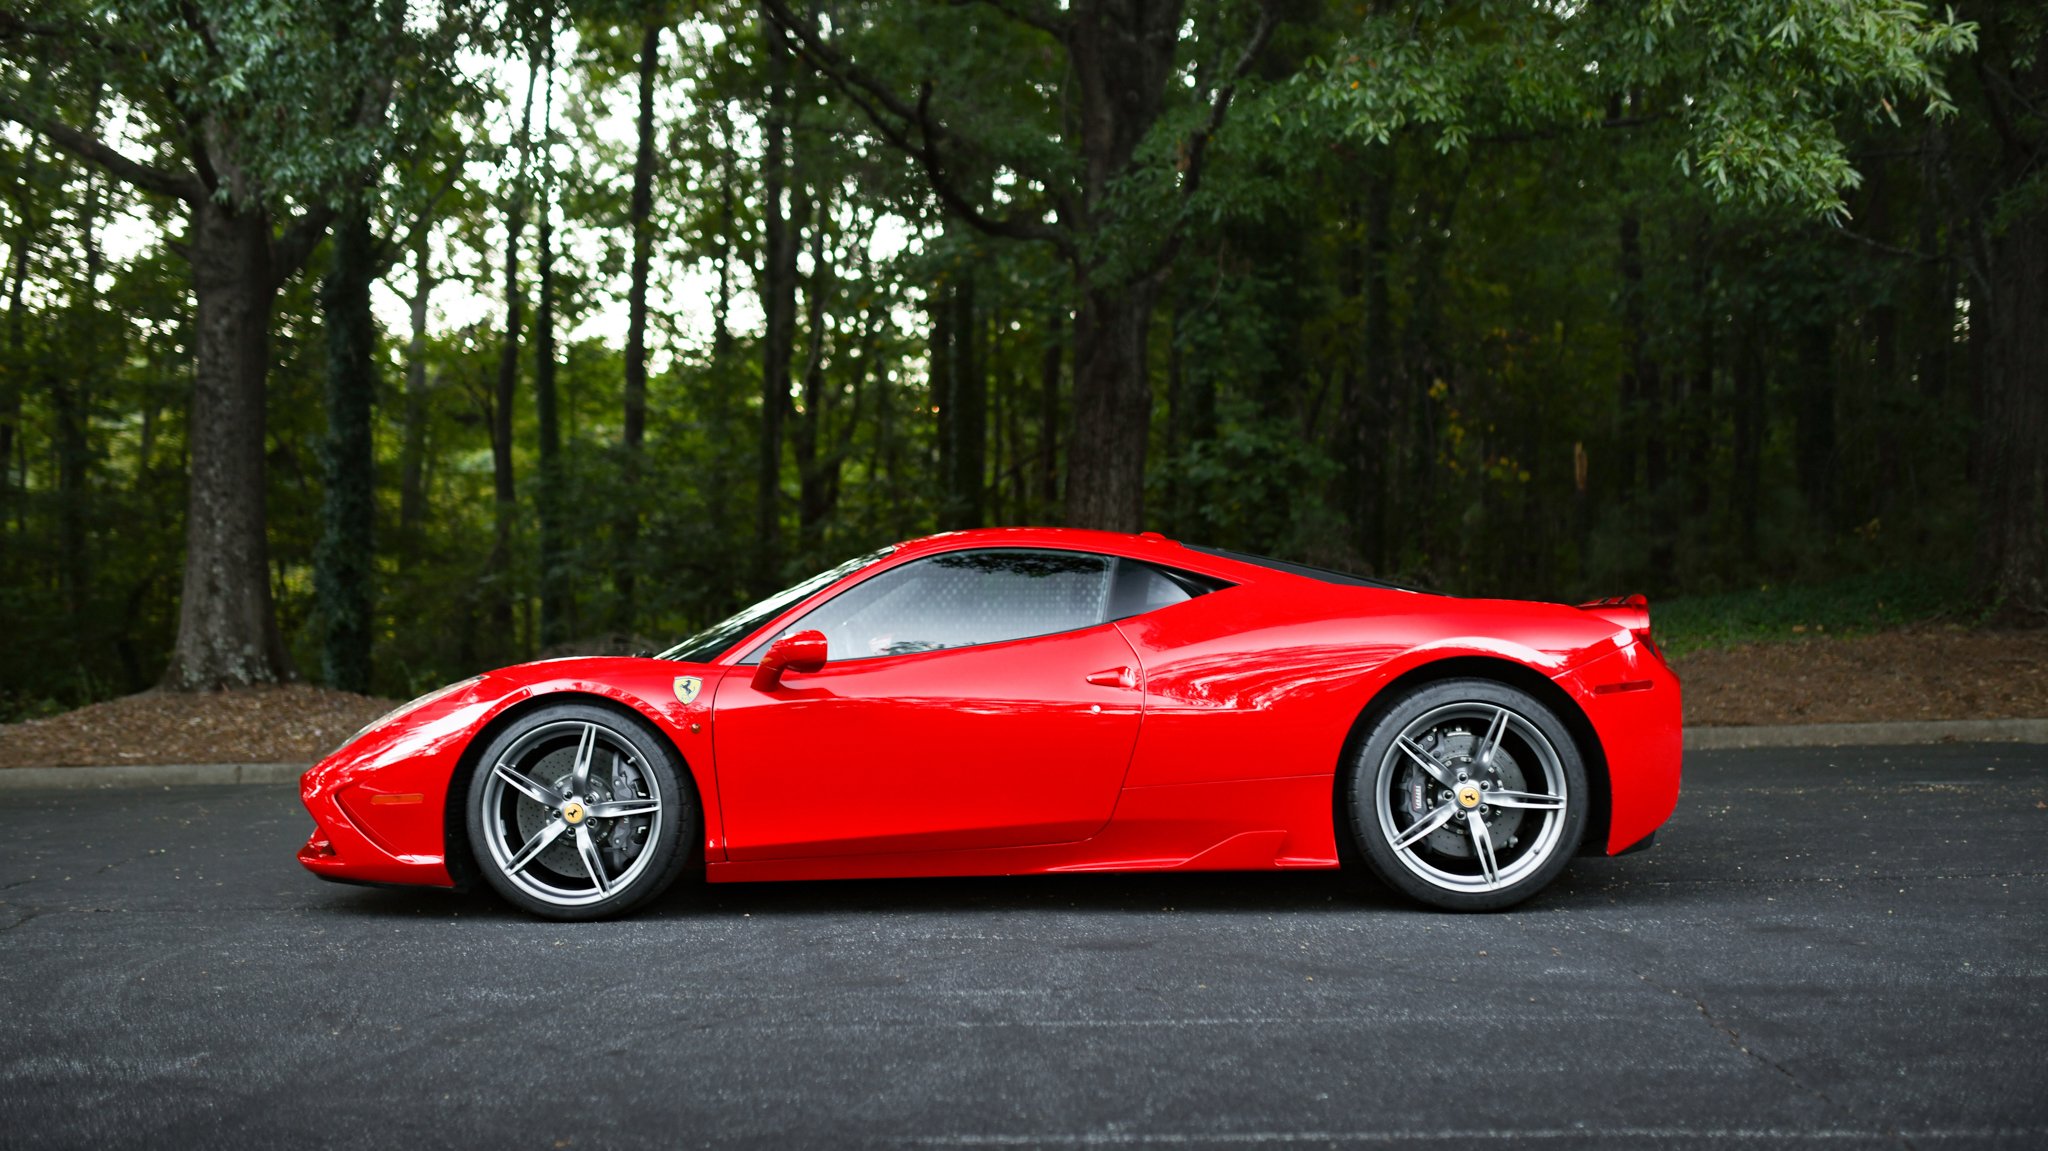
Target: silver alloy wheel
{"x": 569, "y": 811}
{"x": 1471, "y": 797}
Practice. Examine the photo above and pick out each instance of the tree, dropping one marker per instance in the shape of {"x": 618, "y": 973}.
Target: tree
{"x": 781, "y": 236}
{"x": 1112, "y": 203}
{"x": 556, "y": 597}
{"x": 21, "y": 239}
{"x": 344, "y": 560}
{"x": 518, "y": 200}
{"x": 246, "y": 107}
{"x": 1550, "y": 303}
{"x": 640, "y": 223}
{"x": 412, "y": 496}
{"x": 2006, "y": 220}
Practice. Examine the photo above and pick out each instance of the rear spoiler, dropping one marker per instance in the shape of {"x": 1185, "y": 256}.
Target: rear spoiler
{"x": 1631, "y": 612}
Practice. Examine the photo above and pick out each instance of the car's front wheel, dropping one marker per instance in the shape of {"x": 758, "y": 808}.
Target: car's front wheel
{"x": 1468, "y": 794}
{"x": 577, "y": 812}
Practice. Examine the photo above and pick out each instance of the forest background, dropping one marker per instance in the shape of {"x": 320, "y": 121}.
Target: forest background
{"x": 374, "y": 342}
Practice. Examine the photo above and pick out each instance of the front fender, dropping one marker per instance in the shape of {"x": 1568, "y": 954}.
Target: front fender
{"x": 380, "y": 801}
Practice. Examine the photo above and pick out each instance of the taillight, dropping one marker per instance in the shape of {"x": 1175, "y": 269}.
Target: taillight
{"x": 1626, "y": 611}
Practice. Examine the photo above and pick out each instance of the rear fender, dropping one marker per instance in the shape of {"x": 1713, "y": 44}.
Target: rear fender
{"x": 1484, "y": 660}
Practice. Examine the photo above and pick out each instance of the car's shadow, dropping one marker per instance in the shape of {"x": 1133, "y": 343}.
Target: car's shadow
{"x": 1307, "y": 892}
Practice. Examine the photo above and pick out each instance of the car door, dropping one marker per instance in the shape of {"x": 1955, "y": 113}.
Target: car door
{"x": 970, "y": 699}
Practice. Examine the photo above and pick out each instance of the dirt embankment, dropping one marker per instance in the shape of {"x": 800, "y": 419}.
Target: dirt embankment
{"x": 1920, "y": 673}
{"x": 1912, "y": 674}
{"x": 291, "y": 724}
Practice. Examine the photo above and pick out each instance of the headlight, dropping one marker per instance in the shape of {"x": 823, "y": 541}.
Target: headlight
{"x": 408, "y": 708}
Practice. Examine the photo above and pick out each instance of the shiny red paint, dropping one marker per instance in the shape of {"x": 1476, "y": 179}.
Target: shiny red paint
{"x": 1005, "y": 745}
{"x": 1207, "y": 735}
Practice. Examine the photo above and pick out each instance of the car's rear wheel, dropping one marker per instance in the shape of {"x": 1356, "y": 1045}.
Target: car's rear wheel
{"x": 577, "y": 812}
{"x": 1468, "y": 794}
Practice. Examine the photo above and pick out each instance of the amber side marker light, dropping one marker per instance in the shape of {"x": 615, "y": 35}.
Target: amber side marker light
{"x": 416, "y": 797}
{"x": 1629, "y": 685}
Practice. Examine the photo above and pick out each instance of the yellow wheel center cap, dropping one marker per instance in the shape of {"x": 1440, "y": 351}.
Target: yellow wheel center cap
{"x": 573, "y": 812}
{"x": 1468, "y": 796}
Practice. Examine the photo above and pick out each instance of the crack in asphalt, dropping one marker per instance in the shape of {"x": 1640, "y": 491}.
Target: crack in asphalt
{"x": 1735, "y": 1040}
{"x": 29, "y": 914}
{"x": 103, "y": 869}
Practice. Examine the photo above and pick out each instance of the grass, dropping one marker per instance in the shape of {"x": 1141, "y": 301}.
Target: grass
{"x": 1848, "y": 606}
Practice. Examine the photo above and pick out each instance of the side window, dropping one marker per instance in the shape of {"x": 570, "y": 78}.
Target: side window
{"x": 1140, "y": 588}
{"x": 961, "y": 599}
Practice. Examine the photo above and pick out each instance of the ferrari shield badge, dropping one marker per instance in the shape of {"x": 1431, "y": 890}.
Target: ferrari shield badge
{"x": 687, "y": 687}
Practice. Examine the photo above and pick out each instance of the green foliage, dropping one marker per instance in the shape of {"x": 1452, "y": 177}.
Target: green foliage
{"x": 295, "y": 103}
{"x": 1755, "y": 89}
{"x": 1893, "y": 597}
{"x": 1397, "y": 333}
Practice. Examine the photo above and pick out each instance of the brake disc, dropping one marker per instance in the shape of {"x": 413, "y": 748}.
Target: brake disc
{"x": 1456, "y": 746}
{"x": 619, "y": 839}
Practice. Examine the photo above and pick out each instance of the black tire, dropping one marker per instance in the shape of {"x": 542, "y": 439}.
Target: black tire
{"x": 608, "y": 865}
{"x": 1415, "y": 809}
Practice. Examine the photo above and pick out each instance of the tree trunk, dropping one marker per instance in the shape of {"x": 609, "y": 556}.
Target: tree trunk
{"x": 1882, "y": 385}
{"x": 1642, "y": 389}
{"x": 1372, "y": 379}
{"x": 71, "y": 405}
{"x": 1112, "y": 408}
{"x": 1122, "y": 56}
{"x": 939, "y": 382}
{"x": 1176, "y": 422}
{"x": 17, "y": 356}
{"x": 2012, "y": 350}
{"x": 778, "y": 302}
{"x": 1010, "y": 418}
{"x": 721, "y": 305}
{"x": 506, "y": 505}
{"x": 412, "y": 495}
{"x": 641, "y": 221}
{"x": 343, "y": 561}
{"x": 1049, "y": 413}
{"x": 2012, "y": 438}
{"x": 15, "y": 368}
{"x": 506, "y": 393}
{"x": 813, "y": 489}
{"x": 1696, "y": 417}
{"x": 557, "y": 599}
{"x": 966, "y": 408}
{"x": 1750, "y": 422}
{"x": 1814, "y": 432}
{"x": 227, "y": 628}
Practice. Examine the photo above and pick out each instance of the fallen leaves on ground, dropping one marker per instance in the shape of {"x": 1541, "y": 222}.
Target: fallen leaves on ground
{"x": 295, "y": 723}
{"x": 1910, "y": 674}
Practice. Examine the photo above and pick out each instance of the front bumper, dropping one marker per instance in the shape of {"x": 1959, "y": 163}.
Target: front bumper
{"x": 379, "y": 804}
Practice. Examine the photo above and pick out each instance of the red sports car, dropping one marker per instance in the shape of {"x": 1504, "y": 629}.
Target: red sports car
{"x": 1029, "y": 700}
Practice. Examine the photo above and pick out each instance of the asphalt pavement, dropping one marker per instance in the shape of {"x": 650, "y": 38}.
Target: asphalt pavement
{"x": 1828, "y": 947}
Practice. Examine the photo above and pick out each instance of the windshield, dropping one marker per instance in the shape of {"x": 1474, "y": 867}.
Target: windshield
{"x": 716, "y": 640}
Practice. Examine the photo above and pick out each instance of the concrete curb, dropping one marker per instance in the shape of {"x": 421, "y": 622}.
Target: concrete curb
{"x": 142, "y": 775}
{"x": 1869, "y": 734}
{"x": 1696, "y": 739}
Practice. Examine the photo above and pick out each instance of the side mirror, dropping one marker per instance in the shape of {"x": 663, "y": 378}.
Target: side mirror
{"x": 802, "y": 652}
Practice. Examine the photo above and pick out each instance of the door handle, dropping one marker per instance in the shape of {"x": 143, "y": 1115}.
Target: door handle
{"x": 1114, "y": 677}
